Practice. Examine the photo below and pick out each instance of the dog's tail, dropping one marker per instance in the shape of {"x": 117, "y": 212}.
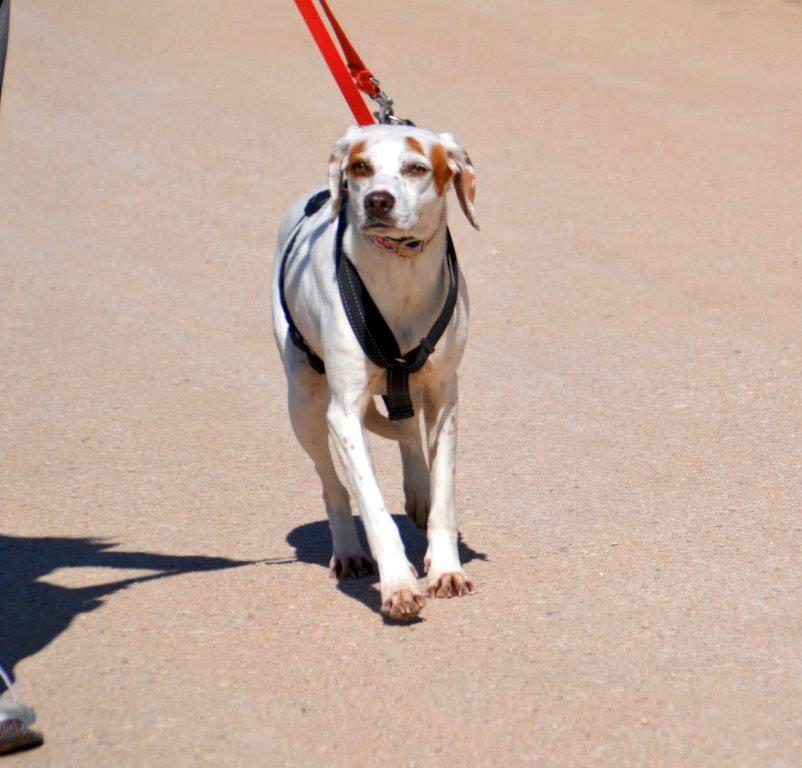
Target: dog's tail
{"x": 382, "y": 426}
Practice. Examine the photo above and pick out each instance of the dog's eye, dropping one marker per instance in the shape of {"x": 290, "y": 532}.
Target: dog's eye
{"x": 360, "y": 169}
{"x": 416, "y": 169}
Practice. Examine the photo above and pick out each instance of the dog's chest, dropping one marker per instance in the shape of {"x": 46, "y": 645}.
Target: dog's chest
{"x": 408, "y": 292}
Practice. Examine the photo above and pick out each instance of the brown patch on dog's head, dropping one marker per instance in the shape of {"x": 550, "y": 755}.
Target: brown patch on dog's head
{"x": 415, "y": 145}
{"x": 355, "y": 155}
{"x": 440, "y": 170}
{"x": 358, "y": 164}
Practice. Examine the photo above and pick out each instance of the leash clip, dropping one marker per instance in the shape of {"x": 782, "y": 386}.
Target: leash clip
{"x": 385, "y": 115}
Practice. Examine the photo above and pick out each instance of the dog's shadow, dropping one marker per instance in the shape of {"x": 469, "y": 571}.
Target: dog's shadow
{"x": 312, "y": 543}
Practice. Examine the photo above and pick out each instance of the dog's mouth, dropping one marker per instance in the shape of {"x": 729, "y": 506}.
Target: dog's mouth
{"x": 385, "y": 235}
{"x": 377, "y": 225}
{"x": 385, "y": 227}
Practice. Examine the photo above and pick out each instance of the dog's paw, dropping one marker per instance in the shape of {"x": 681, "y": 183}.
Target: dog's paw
{"x": 453, "y": 584}
{"x": 351, "y": 567}
{"x": 404, "y": 604}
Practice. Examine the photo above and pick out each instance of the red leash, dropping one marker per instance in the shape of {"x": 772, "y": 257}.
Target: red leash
{"x": 356, "y": 75}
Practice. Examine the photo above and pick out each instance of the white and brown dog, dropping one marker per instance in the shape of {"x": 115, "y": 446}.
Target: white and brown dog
{"x": 396, "y": 179}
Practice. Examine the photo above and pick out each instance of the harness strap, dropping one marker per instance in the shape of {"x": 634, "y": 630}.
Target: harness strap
{"x": 314, "y": 204}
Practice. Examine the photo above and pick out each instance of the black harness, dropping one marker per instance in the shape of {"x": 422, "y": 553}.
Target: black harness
{"x": 369, "y": 327}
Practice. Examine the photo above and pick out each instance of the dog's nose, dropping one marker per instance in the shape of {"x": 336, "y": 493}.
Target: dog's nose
{"x": 378, "y": 204}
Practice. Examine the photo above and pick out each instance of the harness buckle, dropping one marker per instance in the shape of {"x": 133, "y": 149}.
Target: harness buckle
{"x": 399, "y": 412}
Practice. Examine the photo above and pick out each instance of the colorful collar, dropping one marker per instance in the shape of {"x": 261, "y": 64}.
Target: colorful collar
{"x": 405, "y": 246}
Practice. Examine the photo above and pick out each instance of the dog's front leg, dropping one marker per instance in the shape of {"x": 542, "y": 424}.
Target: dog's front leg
{"x": 401, "y": 597}
{"x": 446, "y": 577}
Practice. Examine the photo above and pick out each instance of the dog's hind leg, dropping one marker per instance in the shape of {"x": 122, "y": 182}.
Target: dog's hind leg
{"x": 308, "y": 398}
{"x": 417, "y": 495}
{"x": 416, "y": 471}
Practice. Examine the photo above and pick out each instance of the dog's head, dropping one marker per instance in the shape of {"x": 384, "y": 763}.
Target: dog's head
{"x": 397, "y": 177}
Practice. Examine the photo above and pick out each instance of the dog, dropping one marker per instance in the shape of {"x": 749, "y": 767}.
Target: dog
{"x": 390, "y": 182}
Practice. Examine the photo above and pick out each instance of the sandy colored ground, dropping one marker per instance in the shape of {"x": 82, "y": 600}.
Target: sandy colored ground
{"x": 631, "y": 435}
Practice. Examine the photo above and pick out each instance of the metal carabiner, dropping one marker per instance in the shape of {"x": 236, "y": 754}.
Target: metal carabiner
{"x": 385, "y": 115}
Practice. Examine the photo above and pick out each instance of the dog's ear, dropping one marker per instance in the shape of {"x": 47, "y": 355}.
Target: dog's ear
{"x": 337, "y": 161}
{"x": 464, "y": 176}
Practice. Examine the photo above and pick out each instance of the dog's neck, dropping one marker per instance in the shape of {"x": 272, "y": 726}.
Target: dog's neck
{"x": 409, "y": 290}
